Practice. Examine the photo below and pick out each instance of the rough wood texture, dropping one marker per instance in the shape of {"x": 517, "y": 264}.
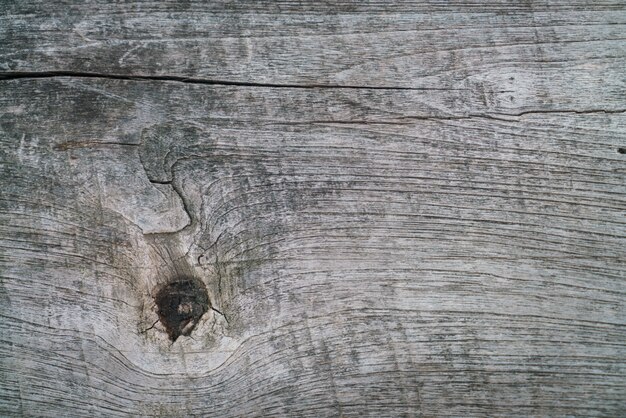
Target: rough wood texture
{"x": 407, "y": 209}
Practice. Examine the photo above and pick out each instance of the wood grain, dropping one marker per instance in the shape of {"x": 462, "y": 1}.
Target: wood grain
{"x": 407, "y": 209}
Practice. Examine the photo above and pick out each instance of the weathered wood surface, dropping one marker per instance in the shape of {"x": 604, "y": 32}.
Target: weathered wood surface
{"x": 407, "y": 209}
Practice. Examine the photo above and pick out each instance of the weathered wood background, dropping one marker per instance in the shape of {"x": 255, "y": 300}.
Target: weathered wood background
{"x": 397, "y": 208}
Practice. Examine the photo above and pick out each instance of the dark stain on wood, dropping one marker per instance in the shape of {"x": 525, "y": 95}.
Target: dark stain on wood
{"x": 181, "y": 304}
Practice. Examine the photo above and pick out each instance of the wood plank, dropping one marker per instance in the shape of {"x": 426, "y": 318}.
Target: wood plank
{"x": 471, "y": 265}
{"x": 407, "y": 209}
{"x": 517, "y": 56}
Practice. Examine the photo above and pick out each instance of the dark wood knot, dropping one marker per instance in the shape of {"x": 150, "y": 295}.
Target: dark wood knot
{"x": 181, "y": 304}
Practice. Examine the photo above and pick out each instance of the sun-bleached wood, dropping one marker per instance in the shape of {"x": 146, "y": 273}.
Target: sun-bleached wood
{"x": 407, "y": 209}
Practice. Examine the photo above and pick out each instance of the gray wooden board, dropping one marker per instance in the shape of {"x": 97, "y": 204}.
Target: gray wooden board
{"x": 407, "y": 209}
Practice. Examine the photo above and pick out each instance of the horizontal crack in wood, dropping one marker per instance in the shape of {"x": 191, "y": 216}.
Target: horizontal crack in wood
{"x": 194, "y": 80}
